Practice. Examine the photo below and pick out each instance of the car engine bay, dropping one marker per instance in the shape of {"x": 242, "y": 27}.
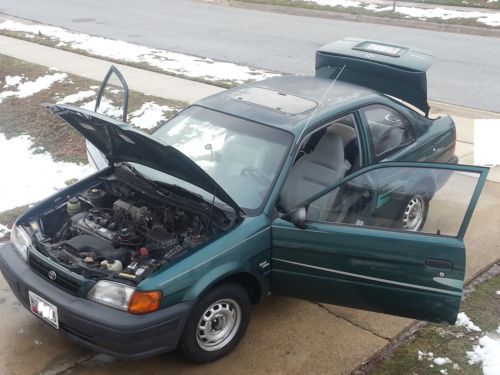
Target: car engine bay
{"x": 116, "y": 229}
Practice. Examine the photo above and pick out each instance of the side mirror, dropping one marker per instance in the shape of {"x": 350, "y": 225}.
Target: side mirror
{"x": 298, "y": 217}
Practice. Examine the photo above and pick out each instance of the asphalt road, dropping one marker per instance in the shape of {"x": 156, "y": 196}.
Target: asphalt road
{"x": 466, "y": 70}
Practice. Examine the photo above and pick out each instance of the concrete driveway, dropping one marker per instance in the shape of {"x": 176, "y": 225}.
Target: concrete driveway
{"x": 285, "y": 335}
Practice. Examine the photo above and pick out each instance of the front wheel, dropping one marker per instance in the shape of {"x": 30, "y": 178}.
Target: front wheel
{"x": 217, "y": 324}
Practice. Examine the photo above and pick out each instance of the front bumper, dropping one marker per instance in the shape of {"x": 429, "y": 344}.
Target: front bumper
{"x": 96, "y": 326}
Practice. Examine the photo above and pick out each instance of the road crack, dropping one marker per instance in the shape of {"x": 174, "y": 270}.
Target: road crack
{"x": 351, "y": 321}
{"x": 66, "y": 368}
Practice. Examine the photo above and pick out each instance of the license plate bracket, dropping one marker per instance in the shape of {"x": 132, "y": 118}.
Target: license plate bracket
{"x": 44, "y": 309}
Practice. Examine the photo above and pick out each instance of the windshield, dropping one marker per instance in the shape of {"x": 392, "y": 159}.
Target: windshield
{"x": 243, "y": 157}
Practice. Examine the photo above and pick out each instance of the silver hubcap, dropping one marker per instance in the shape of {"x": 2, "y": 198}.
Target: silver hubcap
{"x": 218, "y": 324}
{"x": 413, "y": 215}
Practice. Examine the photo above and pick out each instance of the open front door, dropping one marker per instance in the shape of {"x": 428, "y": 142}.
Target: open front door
{"x": 112, "y": 101}
{"x": 389, "y": 239}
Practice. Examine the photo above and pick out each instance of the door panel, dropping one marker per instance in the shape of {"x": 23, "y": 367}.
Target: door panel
{"x": 355, "y": 253}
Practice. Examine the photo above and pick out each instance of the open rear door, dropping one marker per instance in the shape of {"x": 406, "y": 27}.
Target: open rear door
{"x": 352, "y": 248}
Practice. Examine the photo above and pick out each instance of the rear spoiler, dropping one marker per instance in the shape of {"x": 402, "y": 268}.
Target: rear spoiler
{"x": 391, "y": 69}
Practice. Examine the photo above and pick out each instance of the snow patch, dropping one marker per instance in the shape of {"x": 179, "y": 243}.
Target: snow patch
{"x": 28, "y": 88}
{"x": 33, "y": 176}
{"x": 339, "y": 3}
{"x": 149, "y": 115}
{"x": 105, "y": 107}
{"x": 169, "y": 62}
{"x": 442, "y": 361}
{"x": 13, "y": 80}
{"x": 78, "y": 97}
{"x": 464, "y": 321}
{"x": 488, "y": 18}
{"x": 4, "y": 230}
{"x": 486, "y": 353}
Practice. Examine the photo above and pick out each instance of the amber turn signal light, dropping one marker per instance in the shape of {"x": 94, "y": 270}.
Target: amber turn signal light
{"x": 144, "y": 302}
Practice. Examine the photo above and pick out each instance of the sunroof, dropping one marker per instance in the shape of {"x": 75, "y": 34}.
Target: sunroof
{"x": 274, "y": 100}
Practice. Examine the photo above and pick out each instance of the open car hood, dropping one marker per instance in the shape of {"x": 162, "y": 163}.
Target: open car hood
{"x": 393, "y": 70}
{"x": 120, "y": 142}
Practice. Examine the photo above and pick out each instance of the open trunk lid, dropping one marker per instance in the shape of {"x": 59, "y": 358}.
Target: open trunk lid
{"x": 391, "y": 69}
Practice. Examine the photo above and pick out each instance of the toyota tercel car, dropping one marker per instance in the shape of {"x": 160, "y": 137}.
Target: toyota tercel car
{"x": 335, "y": 188}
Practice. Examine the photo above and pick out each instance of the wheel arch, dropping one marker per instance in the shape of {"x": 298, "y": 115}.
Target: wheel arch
{"x": 255, "y": 286}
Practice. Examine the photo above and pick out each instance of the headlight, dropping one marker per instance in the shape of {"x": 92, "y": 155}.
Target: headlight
{"x": 111, "y": 294}
{"x": 21, "y": 241}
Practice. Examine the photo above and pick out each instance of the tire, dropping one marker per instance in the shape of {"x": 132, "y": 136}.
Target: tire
{"x": 225, "y": 312}
{"x": 413, "y": 212}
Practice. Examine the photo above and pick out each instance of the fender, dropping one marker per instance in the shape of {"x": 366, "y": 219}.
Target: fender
{"x": 224, "y": 271}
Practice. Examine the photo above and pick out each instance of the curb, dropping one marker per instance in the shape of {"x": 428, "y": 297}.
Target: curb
{"x": 415, "y": 24}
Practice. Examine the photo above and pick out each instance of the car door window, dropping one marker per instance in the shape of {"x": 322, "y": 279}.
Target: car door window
{"x": 404, "y": 198}
{"x": 389, "y": 130}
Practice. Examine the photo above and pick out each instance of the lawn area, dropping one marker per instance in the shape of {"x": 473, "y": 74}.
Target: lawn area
{"x": 26, "y": 116}
{"x": 475, "y": 17}
{"x": 489, "y": 4}
{"x": 440, "y": 349}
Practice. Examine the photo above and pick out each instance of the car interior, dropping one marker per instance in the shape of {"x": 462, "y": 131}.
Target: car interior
{"x": 325, "y": 157}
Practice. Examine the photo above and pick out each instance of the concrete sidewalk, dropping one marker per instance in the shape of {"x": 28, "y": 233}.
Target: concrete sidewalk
{"x": 285, "y": 335}
{"x": 147, "y": 82}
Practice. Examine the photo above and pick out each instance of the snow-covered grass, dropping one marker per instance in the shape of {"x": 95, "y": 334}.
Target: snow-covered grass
{"x": 170, "y": 62}
{"x": 411, "y": 12}
{"x": 485, "y": 353}
{"x": 20, "y": 87}
{"x": 32, "y": 177}
{"x": 149, "y": 115}
{"x": 29, "y": 171}
{"x": 77, "y": 97}
{"x": 471, "y": 346}
{"x": 487, "y": 18}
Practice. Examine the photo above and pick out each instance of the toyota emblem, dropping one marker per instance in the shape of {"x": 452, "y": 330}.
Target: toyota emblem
{"x": 52, "y": 275}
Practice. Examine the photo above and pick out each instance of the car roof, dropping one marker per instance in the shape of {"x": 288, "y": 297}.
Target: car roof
{"x": 288, "y": 101}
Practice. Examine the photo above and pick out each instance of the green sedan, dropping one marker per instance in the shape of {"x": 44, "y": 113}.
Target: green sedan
{"x": 336, "y": 188}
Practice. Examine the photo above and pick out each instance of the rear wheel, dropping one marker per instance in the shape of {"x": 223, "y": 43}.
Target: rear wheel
{"x": 217, "y": 324}
{"x": 414, "y": 212}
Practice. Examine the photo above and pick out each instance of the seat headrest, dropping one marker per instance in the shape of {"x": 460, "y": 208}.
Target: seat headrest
{"x": 329, "y": 150}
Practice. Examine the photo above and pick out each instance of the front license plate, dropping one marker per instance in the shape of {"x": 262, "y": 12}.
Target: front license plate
{"x": 44, "y": 309}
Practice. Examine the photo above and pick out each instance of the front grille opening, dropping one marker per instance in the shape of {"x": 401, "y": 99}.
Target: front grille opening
{"x": 61, "y": 281}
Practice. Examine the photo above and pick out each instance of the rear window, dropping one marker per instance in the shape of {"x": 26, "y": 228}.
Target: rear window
{"x": 389, "y": 130}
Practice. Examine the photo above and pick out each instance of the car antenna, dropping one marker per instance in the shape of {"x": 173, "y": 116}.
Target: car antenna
{"x": 319, "y": 103}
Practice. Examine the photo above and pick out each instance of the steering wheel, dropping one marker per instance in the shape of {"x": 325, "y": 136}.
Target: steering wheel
{"x": 257, "y": 174}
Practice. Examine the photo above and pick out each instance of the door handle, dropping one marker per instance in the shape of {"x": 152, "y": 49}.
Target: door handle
{"x": 439, "y": 263}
